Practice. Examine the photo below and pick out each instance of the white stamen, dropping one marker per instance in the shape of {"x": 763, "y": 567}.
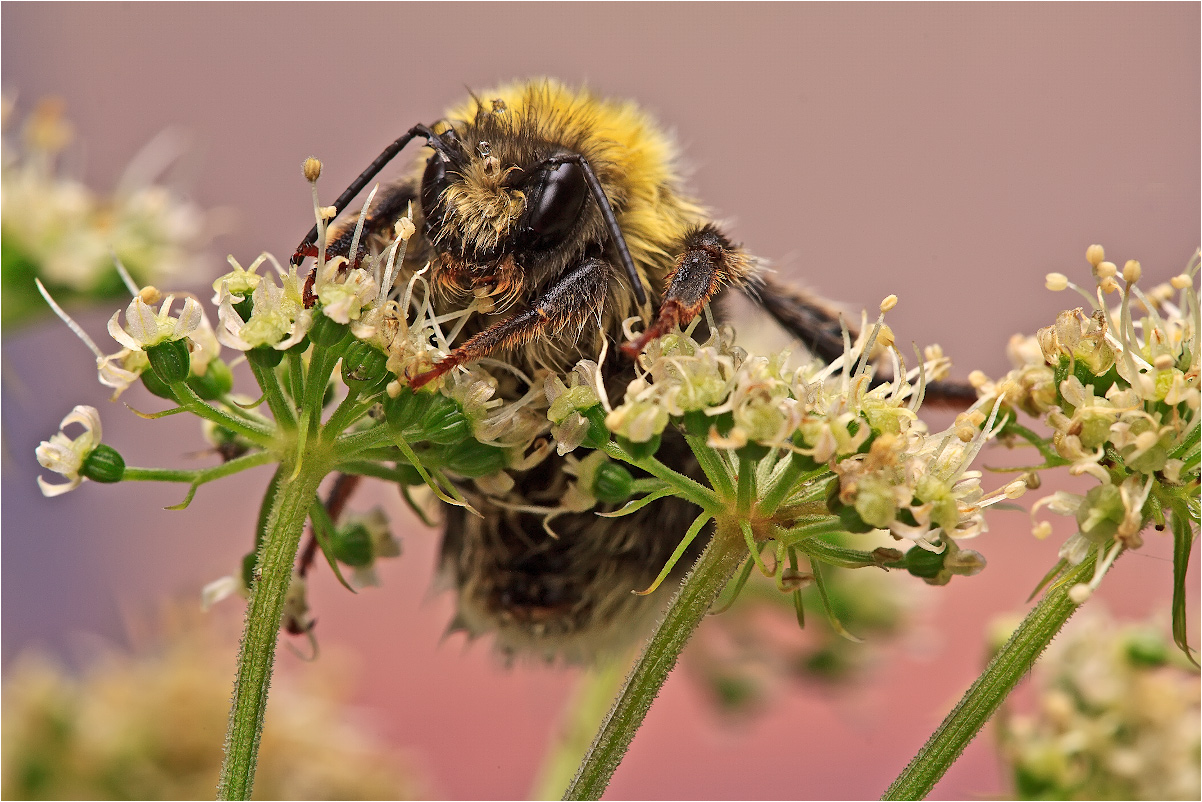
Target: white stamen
{"x": 71, "y": 324}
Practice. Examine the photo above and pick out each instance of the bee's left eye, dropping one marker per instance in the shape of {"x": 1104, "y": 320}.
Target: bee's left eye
{"x": 554, "y": 198}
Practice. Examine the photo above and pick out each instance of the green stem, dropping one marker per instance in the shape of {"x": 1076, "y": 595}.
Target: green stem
{"x": 689, "y": 606}
{"x": 711, "y": 463}
{"x": 349, "y": 410}
{"x": 189, "y": 400}
{"x": 202, "y": 475}
{"x": 1041, "y": 444}
{"x": 256, "y": 656}
{"x": 281, "y": 408}
{"x": 694, "y": 491}
{"x": 1000, "y": 677}
{"x": 783, "y": 486}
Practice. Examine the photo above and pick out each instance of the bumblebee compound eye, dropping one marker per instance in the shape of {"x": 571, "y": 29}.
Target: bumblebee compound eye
{"x": 554, "y": 198}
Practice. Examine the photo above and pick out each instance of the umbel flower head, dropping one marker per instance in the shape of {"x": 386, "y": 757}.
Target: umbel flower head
{"x": 802, "y": 453}
{"x": 1118, "y": 385}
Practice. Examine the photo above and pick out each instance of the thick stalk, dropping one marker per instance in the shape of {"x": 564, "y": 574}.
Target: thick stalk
{"x": 256, "y": 655}
{"x": 686, "y": 611}
{"x": 1000, "y": 677}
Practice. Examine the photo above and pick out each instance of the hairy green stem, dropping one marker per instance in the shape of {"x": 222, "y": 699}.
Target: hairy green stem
{"x": 256, "y": 655}
{"x": 711, "y": 464}
{"x": 686, "y": 611}
{"x": 1000, "y": 677}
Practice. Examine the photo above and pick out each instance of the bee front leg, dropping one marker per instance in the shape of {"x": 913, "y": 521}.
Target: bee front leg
{"x": 392, "y": 204}
{"x": 577, "y": 294}
{"x": 709, "y": 261}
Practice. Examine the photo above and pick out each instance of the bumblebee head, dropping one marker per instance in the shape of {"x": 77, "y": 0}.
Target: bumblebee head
{"x": 490, "y": 194}
{"x": 483, "y": 199}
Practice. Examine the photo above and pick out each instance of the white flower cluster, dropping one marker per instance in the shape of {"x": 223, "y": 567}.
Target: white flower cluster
{"x": 71, "y": 234}
{"x": 1118, "y": 385}
{"x": 894, "y": 473}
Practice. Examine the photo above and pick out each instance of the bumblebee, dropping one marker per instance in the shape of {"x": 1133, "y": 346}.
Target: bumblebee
{"x": 565, "y": 208}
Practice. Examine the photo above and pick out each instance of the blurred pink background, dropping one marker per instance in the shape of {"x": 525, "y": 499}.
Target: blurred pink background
{"x": 951, "y": 154}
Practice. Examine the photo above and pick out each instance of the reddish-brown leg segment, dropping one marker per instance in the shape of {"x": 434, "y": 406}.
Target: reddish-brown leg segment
{"x": 709, "y": 262}
{"x": 575, "y": 296}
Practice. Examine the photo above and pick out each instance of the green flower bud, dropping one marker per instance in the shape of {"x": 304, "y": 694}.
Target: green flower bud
{"x": 612, "y": 483}
{"x": 264, "y": 356}
{"x": 352, "y": 545}
{"x": 152, "y": 382}
{"x": 471, "y": 459}
{"x": 326, "y": 332}
{"x": 104, "y": 464}
{"x": 753, "y": 451}
{"x": 641, "y": 449}
{"x": 170, "y": 360}
{"x": 598, "y": 433}
{"x": 1146, "y": 649}
{"x": 216, "y": 381}
{"x": 363, "y": 367}
{"x": 924, "y": 564}
{"x": 406, "y": 410}
{"x": 444, "y": 423}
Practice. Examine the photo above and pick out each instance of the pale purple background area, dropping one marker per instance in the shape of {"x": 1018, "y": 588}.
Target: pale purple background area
{"x": 951, "y": 154}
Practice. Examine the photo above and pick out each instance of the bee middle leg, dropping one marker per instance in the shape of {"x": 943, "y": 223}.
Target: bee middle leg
{"x": 709, "y": 261}
{"x": 570, "y": 300}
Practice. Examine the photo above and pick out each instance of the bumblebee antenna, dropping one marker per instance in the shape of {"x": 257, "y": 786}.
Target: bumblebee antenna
{"x": 367, "y": 175}
{"x": 611, "y": 221}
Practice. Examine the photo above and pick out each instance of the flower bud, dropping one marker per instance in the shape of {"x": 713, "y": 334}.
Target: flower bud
{"x": 104, "y": 464}
{"x": 352, "y": 545}
{"x": 216, "y": 381}
{"x": 170, "y": 360}
{"x": 264, "y": 356}
{"x": 612, "y": 483}
{"x": 364, "y": 367}
{"x": 472, "y": 459}
{"x": 639, "y": 449}
{"x": 326, "y": 332}
{"x": 444, "y": 423}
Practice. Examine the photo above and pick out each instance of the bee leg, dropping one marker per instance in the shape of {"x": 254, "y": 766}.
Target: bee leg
{"x": 578, "y": 293}
{"x": 817, "y": 324}
{"x": 392, "y": 203}
{"x": 709, "y": 262}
